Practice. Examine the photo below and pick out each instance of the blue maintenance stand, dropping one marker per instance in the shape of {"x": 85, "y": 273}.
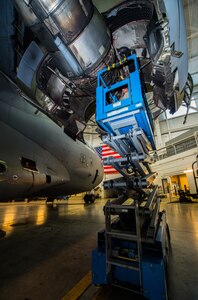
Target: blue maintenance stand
{"x": 121, "y": 106}
{"x": 133, "y": 248}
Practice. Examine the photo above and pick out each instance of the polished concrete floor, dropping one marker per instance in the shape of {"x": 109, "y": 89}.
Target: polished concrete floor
{"x": 46, "y": 250}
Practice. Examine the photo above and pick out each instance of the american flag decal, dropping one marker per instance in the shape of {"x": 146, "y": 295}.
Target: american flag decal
{"x": 105, "y": 151}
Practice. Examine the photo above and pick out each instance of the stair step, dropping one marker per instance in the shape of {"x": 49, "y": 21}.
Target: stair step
{"x": 122, "y": 263}
{"x": 128, "y": 287}
{"x": 121, "y": 235}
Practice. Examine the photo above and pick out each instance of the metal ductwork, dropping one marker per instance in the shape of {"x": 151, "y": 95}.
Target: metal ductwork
{"x": 73, "y": 32}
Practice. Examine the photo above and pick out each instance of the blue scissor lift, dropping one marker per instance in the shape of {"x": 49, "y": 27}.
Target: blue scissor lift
{"x": 133, "y": 247}
{"x": 121, "y": 107}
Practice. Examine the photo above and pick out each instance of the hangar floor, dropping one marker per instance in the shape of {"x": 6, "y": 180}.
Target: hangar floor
{"x": 46, "y": 250}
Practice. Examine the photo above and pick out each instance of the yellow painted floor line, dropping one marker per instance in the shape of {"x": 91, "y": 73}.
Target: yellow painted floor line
{"x": 79, "y": 288}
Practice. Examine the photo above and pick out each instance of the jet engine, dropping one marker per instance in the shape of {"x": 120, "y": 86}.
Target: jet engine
{"x": 72, "y": 41}
{"x": 59, "y": 70}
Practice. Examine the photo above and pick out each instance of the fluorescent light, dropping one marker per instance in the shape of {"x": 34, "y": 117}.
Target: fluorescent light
{"x": 188, "y": 171}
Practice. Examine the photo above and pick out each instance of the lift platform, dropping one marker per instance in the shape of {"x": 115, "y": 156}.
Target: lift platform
{"x": 121, "y": 106}
{"x": 133, "y": 248}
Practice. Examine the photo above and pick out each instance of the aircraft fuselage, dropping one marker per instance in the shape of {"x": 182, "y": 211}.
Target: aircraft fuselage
{"x": 36, "y": 156}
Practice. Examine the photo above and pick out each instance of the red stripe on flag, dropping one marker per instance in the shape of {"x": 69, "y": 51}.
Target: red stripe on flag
{"x": 106, "y": 152}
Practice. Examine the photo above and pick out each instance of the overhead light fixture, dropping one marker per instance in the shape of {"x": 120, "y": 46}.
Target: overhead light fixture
{"x": 188, "y": 171}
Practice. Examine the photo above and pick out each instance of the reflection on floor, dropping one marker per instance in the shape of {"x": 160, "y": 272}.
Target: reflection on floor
{"x": 46, "y": 249}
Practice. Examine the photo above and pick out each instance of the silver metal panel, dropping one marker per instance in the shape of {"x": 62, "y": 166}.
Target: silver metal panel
{"x": 66, "y": 62}
{"x": 72, "y": 16}
{"x": 29, "y": 64}
{"x": 50, "y": 5}
{"x": 93, "y": 43}
{"x": 26, "y": 12}
{"x": 130, "y": 35}
{"x": 177, "y": 37}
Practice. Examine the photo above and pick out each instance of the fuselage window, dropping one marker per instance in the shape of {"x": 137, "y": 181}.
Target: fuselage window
{"x": 48, "y": 179}
{"x": 3, "y": 167}
{"x": 28, "y": 164}
{"x": 95, "y": 177}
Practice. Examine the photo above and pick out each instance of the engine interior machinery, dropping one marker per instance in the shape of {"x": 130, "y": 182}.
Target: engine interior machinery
{"x": 67, "y": 42}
